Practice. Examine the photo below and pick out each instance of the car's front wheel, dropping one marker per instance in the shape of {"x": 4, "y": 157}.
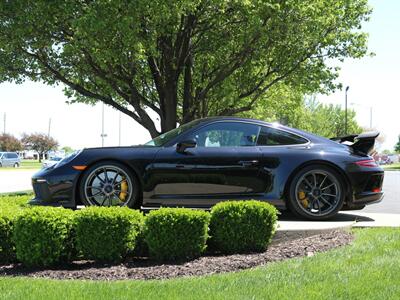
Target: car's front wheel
{"x": 109, "y": 184}
{"x": 316, "y": 193}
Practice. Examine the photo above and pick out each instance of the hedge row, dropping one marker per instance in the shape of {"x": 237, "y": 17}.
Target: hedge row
{"x": 44, "y": 236}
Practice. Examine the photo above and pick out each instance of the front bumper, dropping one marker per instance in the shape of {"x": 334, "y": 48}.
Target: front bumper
{"x": 53, "y": 187}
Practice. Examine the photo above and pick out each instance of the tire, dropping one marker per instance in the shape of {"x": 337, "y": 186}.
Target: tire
{"x": 318, "y": 197}
{"x": 97, "y": 189}
{"x": 16, "y": 165}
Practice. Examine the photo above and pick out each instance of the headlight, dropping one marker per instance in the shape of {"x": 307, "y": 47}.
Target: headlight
{"x": 68, "y": 158}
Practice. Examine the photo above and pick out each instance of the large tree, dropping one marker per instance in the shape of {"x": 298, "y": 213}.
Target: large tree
{"x": 9, "y": 142}
{"x": 289, "y": 106}
{"x": 181, "y": 59}
{"x": 39, "y": 142}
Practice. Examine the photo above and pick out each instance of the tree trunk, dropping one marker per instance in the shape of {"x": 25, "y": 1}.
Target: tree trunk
{"x": 169, "y": 120}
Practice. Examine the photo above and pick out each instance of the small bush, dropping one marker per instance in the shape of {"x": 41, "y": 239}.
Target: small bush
{"x": 42, "y": 235}
{"x": 7, "y": 247}
{"x": 176, "y": 233}
{"x": 107, "y": 233}
{"x": 9, "y": 201}
{"x": 242, "y": 226}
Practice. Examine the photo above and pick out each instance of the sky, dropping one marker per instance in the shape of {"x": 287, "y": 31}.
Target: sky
{"x": 373, "y": 82}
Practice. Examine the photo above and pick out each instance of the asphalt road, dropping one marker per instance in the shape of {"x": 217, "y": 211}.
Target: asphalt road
{"x": 20, "y": 180}
{"x": 15, "y": 180}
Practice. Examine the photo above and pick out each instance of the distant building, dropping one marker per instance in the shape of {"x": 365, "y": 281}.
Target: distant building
{"x": 32, "y": 154}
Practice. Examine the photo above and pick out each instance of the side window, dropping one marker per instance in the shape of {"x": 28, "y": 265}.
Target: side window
{"x": 272, "y": 137}
{"x": 13, "y": 155}
{"x": 226, "y": 134}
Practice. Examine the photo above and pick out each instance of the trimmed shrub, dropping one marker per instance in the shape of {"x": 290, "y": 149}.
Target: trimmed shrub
{"x": 14, "y": 201}
{"x": 10, "y": 207}
{"x": 7, "y": 247}
{"x": 242, "y": 226}
{"x": 176, "y": 233}
{"x": 107, "y": 234}
{"x": 43, "y": 236}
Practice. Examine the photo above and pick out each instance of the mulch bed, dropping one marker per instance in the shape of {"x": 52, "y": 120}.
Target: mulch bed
{"x": 210, "y": 264}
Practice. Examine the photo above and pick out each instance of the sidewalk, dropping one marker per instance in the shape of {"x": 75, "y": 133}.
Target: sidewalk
{"x": 347, "y": 219}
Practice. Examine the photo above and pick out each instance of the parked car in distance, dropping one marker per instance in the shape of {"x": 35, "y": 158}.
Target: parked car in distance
{"x": 9, "y": 159}
{"x": 51, "y": 161}
{"x": 218, "y": 159}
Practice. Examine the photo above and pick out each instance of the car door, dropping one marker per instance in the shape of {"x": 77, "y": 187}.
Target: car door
{"x": 223, "y": 165}
{"x": 7, "y": 160}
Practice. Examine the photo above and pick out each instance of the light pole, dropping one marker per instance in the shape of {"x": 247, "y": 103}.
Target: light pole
{"x": 4, "y": 129}
{"x": 345, "y": 110}
{"x": 48, "y": 132}
{"x": 103, "y": 135}
{"x": 119, "y": 128}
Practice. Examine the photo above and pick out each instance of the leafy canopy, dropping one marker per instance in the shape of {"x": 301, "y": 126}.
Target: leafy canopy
{"x": 10, "y": 143}
{"x": 39, "y": 142}
{"x": 178, "y": 60}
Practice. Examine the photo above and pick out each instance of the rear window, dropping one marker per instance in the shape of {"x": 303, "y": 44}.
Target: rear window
{"x": 275, "y": 137}
{"x": 12, "y": 155}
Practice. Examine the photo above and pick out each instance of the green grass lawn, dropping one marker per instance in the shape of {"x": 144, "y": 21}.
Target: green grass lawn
{"x": 391, "y": 167}
{"x": 368, "y": 269}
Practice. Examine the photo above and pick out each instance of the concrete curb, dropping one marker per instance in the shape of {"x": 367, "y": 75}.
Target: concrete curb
{"x": 292, "y": 228}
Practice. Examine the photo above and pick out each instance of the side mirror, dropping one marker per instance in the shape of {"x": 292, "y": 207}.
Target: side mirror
{"x": 182, "y": 146}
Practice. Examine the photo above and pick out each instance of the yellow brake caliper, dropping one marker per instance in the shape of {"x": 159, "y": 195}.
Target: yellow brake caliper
{"x": 124, "y": 190}
{"x": 303, "y": 199}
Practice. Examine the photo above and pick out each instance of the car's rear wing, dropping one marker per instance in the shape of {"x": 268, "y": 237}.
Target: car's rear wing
{"x": 363, "y": 143}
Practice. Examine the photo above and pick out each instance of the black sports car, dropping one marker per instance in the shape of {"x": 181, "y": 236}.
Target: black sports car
{"x": 216, "y": 159}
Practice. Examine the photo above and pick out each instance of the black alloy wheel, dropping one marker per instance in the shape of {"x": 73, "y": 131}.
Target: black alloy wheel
{"x": 109, "y": 184}
{"x": 316, "y": 193}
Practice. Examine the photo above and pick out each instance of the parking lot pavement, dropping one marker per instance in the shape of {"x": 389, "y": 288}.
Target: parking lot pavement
{"x": 15, "y": 180}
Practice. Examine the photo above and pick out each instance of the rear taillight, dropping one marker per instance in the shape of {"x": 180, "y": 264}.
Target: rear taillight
{"x": 369, "y": 163}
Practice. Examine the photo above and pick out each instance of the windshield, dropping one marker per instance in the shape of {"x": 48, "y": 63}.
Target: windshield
{"x": 170, "y": 135}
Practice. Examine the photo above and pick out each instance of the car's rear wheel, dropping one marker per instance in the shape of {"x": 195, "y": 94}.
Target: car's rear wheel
{"x": 109, "y": 184}
{"x": 316, "y": 193}
{"x": 16, "y": 165}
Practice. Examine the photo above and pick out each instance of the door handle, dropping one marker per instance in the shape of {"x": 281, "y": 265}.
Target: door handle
{"x": 248, "y": 163}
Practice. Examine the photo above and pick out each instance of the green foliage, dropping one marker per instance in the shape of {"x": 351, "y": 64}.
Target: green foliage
{"x": 107, "y": 234}
{"x": 242, "y": 226}
{"x": 13, "y": 202}
{"x": 176, "y": 233}
{"x": 9, "y": 143}
{"x": 67, "y": 149}
{"x": 328, "y": 120}
{"x": 287, "y": 106}
{"x": 397, "y": 146}
{"x": 7, "y": 246}
{"x": 43, "y": 236}
{"x": 180, "y": 59}
{"x": 39, "y": 142}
